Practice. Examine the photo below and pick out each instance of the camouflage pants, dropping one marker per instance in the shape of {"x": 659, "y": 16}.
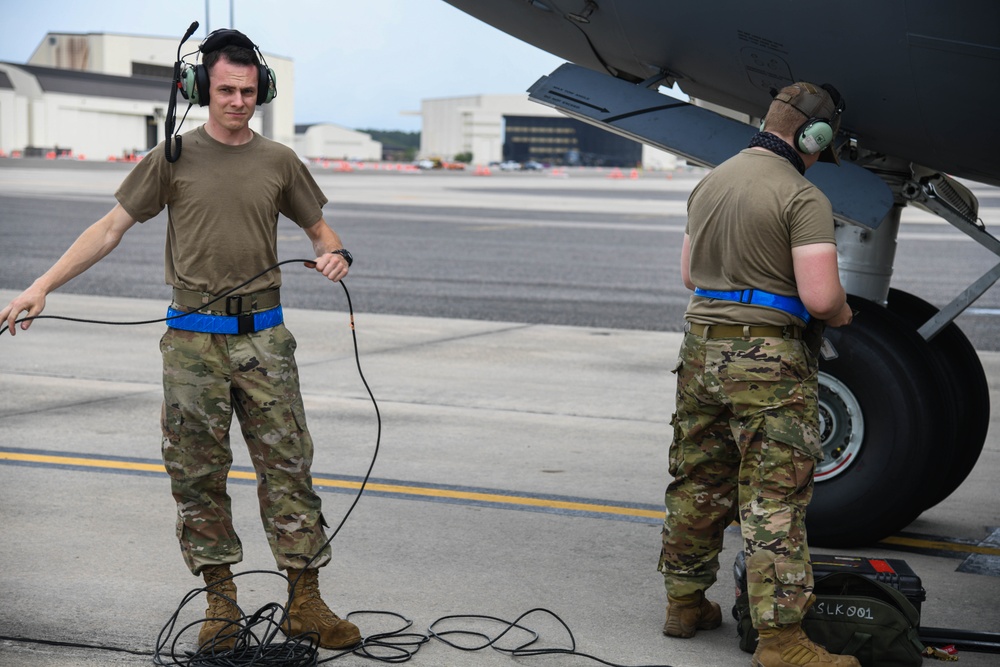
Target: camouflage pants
{"x": 206, "y": 378}
{"x": 746, "y": 439}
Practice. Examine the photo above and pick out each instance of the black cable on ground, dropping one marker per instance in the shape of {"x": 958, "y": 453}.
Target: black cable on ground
{"x": 528, "y": 648}
{"x": 392, "y": 646}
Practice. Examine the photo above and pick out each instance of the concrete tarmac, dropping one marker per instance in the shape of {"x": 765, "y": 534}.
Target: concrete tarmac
{"x": 520, "y": 467}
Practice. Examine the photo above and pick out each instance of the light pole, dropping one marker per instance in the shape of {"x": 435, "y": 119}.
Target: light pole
{"x": 208, "y": 13}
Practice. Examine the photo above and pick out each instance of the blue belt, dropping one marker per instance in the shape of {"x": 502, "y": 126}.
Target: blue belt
{"x": 224, "y": 324}
{"x": 790, "y": 304}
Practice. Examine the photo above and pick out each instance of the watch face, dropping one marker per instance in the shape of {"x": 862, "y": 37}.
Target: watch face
{"x": 345, "y": 254}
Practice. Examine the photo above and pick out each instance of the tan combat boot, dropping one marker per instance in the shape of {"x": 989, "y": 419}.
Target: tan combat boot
{"x": 222, "y": 617}
{"x": 689, "y": 613}
{"x": 308, "y": 613}
{"x": 790, "y": 647}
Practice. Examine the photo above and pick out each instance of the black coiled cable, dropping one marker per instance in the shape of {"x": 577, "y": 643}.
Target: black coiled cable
{"x": 478, "y": 640}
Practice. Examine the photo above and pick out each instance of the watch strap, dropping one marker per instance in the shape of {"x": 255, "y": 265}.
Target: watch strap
{"x": 343, "y": 252}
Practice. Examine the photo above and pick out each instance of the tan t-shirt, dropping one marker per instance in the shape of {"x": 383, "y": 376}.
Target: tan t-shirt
{"x": 744, "y": 218}
{"x": 222, "y": 208}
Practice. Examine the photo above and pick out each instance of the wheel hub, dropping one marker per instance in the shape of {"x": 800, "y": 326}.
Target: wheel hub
{"x": 841, "y": 427}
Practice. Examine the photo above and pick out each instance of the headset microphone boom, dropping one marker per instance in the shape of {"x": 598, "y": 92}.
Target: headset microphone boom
{"x": 168, "y": 124}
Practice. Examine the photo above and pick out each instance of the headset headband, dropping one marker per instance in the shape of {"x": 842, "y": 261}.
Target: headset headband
{"x": 223, "y": 37}
{"x": 811, "y": 94}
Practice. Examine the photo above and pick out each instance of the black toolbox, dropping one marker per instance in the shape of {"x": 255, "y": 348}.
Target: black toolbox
{"x": 893, "y": 572}
{"x": 890, "y": 571}
{"x": 887, "y": 632}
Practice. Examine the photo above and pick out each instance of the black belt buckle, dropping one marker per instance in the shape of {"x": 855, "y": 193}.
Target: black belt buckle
{"x": 245, "y": 324}
{"x": 234, "y": 305}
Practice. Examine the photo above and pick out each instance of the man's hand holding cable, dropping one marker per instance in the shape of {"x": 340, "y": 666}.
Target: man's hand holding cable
{"x": 333, "y": 266}
{"x": 30, "y": 300}
{"x": 331, "y": 260}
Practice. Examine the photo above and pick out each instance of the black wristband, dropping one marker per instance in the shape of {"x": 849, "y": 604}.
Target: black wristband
{"x": 345, "y": 254}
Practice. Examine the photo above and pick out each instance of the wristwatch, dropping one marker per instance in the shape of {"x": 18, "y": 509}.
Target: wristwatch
{"x": 345, "y": 254}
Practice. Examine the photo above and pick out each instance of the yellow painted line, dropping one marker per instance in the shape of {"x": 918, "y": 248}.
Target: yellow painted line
{"x": 344, "y": 484}
{"x": 474, "y": 496}
{"x": 87, "y": 463}
{"x": 492, "y": 498}
{"x": 943, "y": 546}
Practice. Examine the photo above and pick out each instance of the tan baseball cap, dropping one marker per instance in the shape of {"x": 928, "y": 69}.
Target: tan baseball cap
{"x": 823, "y": 103}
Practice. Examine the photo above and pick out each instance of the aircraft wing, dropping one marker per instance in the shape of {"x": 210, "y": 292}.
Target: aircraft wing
{"x": 699, "y": 135}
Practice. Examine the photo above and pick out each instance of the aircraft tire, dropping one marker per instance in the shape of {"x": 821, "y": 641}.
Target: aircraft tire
{"x": 880, "y": 404}
{"x": 962, "y": 376}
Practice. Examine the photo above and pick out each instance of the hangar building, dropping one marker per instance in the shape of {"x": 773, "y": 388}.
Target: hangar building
{"x": 496, "y": 128}
{"x": 335, "y": 142}
{"x": 99, "y": 95}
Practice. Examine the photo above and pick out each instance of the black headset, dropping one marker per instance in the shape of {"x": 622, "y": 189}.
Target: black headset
{"x": 194, "y": 84}
{"x": 192, "y": 81}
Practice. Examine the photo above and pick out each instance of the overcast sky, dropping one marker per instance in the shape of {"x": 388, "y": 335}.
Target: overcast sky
{"x": 358, "y": 63}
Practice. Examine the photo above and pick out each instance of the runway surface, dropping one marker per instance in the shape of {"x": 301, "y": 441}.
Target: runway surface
{"x": 580, "y": 248}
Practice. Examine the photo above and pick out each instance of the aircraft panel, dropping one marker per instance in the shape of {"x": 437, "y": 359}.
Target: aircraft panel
{"x": 918, "y": 76}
